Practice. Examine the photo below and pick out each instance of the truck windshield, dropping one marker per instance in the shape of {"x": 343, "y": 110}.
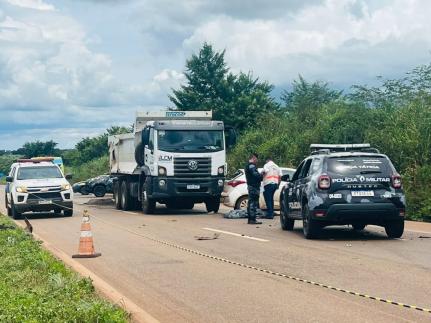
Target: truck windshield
{"x": 190, "y": 140}
{"x": 358, "y": 165}
{"x": 39, "y": 172}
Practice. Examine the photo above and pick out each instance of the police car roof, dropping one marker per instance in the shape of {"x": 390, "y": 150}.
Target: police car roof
{"x": 33, "y": 164}
{"x": 352, "y": 154}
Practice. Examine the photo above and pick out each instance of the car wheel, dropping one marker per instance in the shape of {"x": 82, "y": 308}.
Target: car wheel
{"x": 241, "y": 203}
{"x": 84, "y": 190}
{"x": 117, "y": 200}
{"x": 309, "y": 226}
{"x": 14, "y": 213}
{"x": 394, "y": 229}
{"x": 287, "y": 224}
{"x": 358, "y": 226}
{"x": 99, "y": 191}
{"x": 68, "y": 212}
{"x": 148, "y": 204}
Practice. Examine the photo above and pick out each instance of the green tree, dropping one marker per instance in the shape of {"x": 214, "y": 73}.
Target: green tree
{"x": 38, "y": 148}
{"x": 238, "y": 100}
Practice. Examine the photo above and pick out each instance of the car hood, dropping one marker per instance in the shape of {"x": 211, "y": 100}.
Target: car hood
{"x": 42, "y": 182}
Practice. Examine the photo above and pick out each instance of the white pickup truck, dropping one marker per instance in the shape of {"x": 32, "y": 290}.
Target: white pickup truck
{"x": 37, "y": 186}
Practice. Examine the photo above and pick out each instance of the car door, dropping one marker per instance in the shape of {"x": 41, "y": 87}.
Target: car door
{"x": 8, "y": 187}
{"x": 293, "y": 192}
{"x": 303, "y": 182}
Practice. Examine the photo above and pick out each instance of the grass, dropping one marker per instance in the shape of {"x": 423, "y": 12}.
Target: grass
{"x": 36, "y": 287}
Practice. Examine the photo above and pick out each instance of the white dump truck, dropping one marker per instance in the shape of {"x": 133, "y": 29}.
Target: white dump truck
{"x": 176, "y": 158}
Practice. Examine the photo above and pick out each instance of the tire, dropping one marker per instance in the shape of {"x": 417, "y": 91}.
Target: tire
{"x": 126, "y": 201}
{"x": 394, "y": 229}
{"x": 84, "y": 190}
{"x": 99, "y": 190}
{"x": 117, "y": 193}
{"x": 287, "y": 224}
{"x": 14, "y": 213}
{"x": 57, "y": 211}
{"x": 358, "y": 226}
{"x": 148, "y": 204}
{"x": 213, "y": 205}
{"x": 9, "y": 211}
{"x": 241, "y": 203}
{"x": 68, "y": 212}
{"x": 309, "y": 226}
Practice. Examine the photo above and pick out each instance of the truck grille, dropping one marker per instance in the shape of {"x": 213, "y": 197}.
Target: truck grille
{"x": 192, "y": 167}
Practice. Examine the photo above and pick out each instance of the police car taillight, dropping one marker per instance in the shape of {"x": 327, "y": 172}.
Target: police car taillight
{"x": 324, "y": 182}
{"x": 396, "y": 181}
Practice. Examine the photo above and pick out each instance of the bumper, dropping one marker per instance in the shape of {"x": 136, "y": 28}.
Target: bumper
{"x": 186, "y": 187}
{"x": 35, "y": 206}
{"x": 369, "y": 213}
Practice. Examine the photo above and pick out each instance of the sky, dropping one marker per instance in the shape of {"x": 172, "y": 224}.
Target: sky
{"x": 71, "y": 68}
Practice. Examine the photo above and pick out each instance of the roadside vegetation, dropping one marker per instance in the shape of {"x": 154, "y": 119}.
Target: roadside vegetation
{"x": 35, "y": 287}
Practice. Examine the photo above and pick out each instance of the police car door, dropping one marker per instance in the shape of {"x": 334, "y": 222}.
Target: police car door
{"x": 292, "y": 193}
{"x": 303, "y": 182}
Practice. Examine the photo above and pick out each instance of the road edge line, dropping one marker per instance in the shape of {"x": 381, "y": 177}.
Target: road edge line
{"x": 137, "y": 314}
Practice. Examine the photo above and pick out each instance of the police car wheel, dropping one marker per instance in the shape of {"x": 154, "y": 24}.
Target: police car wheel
{"x": 394, "y": 229}
{"x": 241, "y": 203}
{"x": 9, "y": 212}
{"x": 15, "y": 214}
{"x": 358, "y": 226}
{"x": 287, "y": 224}
{"x": 68, "y": 212}
{"x": 309, "y": 225}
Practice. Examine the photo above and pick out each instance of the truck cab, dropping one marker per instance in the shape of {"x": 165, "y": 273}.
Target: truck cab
{"x": 179, "y": 160}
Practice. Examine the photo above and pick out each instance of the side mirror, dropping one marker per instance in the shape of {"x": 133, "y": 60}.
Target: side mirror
{"x": 285, "y": 178}
{"x": 9, "y": 179}
{"x": 145, "y": 136}
{"x": 68, "y": 176}
{"x": 231, "y": 136}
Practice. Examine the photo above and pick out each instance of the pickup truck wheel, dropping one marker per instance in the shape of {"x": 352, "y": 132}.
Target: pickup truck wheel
{"x": 99, "y": 190}
{"x": 394, "y": 229}
{"x": 241, "y": 203}
{"x": 309, "y": 225}
{"x": 68, "y": 212}
{"x": 9, "y": 211}
{"x": 126, "y": 201}
{"x": 117, "y": 199}
{"x": 148, "y": 204}
{"x": 287, "y": 224}
{"x": 15, "y": 214}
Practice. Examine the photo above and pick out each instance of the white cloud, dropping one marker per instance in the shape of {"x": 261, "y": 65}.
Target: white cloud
{"x": 32, "y": 4}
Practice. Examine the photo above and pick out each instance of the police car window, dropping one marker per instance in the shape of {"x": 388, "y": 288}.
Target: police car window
{"x": 39, "y": 172}
{"x": 306, "y": 168}
{"x": 12, "y": 172}
{"x": 298, "y": 171}
{"x": 315, "y": 165}
{"x": 353, "y": 165}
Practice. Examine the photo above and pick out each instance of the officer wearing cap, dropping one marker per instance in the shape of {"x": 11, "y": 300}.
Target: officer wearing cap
{"x": 254, "y": 178}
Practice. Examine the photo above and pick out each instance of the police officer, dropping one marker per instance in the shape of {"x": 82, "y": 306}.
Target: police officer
{"x": 271, "y": 181}
{"x": 254, "y": 178}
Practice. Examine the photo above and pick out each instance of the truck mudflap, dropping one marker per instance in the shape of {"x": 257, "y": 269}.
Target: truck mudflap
{"x": 200, "y": 188}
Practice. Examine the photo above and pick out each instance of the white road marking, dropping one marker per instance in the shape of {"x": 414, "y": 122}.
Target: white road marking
{"x": 236, "y": 234}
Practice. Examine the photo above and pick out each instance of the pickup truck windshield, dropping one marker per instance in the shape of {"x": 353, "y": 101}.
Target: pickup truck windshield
{"x": 358, "y": 165}
{"x": 190, "y": 140}
{"x": 39, "y": 172}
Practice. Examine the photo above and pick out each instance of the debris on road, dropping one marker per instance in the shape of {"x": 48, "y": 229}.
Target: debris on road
{"x": 215, "y": 236}
{"x": 241, "y": 214}
{"x": 424, "y": 237}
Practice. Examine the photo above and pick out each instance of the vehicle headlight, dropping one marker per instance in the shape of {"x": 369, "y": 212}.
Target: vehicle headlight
{"x": 220, "y": 170}
{"x": 21, "y": 189}
{"x": 162, "y": 171}
{"x": 65, "y": 187}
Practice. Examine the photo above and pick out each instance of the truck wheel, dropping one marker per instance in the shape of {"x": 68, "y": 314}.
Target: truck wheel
{"x": 15, "y": 214}
{"x": 68, "y": 212}
{"x": 99, "y": 191}
{"x": 309, "y": 226}
{"x": 84, "y": 190}
{"x": 148, "y": 204}
{"x": 117, "y": 199}
{"x": 394, "y": 229}
{"x": 287, "y": 224}
{"x": 126, "y": 201}
{"x": 241, "y": 203}
{"x": 213, "y": 205}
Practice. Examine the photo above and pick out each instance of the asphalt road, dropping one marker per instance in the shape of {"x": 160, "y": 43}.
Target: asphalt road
{"x": 176, "y": 285}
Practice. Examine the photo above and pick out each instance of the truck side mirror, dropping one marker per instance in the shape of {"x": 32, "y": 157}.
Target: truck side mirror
{"x": 9, "y": 179}
{"x": 285, "y": 178}
{"x": 231, "y": 136}
{"x": 146, "y": 136}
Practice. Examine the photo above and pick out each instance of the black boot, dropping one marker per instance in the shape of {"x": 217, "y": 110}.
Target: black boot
{"x": 253, "y": 221}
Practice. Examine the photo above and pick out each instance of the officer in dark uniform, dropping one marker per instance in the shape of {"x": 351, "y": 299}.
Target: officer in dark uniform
{"x": 254, "y": 178}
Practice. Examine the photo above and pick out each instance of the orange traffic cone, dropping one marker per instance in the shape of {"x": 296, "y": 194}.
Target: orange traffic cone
{"x": 86, "y": 246}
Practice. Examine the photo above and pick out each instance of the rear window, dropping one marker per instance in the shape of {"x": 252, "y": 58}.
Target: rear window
{"x": 358, "y": 165}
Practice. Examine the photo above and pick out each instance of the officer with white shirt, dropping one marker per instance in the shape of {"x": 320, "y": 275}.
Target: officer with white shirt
{"x": 271, "y": 181}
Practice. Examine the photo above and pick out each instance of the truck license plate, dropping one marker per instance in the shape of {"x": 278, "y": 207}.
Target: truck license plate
{"x": 362, "y": 193}
{"x": 45, "y": 202}
{"x": 193, "y": 187}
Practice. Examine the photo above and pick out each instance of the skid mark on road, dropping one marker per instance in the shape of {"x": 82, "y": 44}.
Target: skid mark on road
{"x": 263, "y": 270}
{"x": 236, "y": 234}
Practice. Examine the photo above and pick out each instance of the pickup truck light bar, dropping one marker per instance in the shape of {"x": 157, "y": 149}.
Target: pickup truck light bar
{"x": 35, "y": 161}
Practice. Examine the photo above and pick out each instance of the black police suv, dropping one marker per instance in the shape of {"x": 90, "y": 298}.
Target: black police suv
{"x": 344, "y": 184}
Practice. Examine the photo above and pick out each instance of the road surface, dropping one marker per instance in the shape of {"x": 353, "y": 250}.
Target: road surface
{"x": 157, "y": 262}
